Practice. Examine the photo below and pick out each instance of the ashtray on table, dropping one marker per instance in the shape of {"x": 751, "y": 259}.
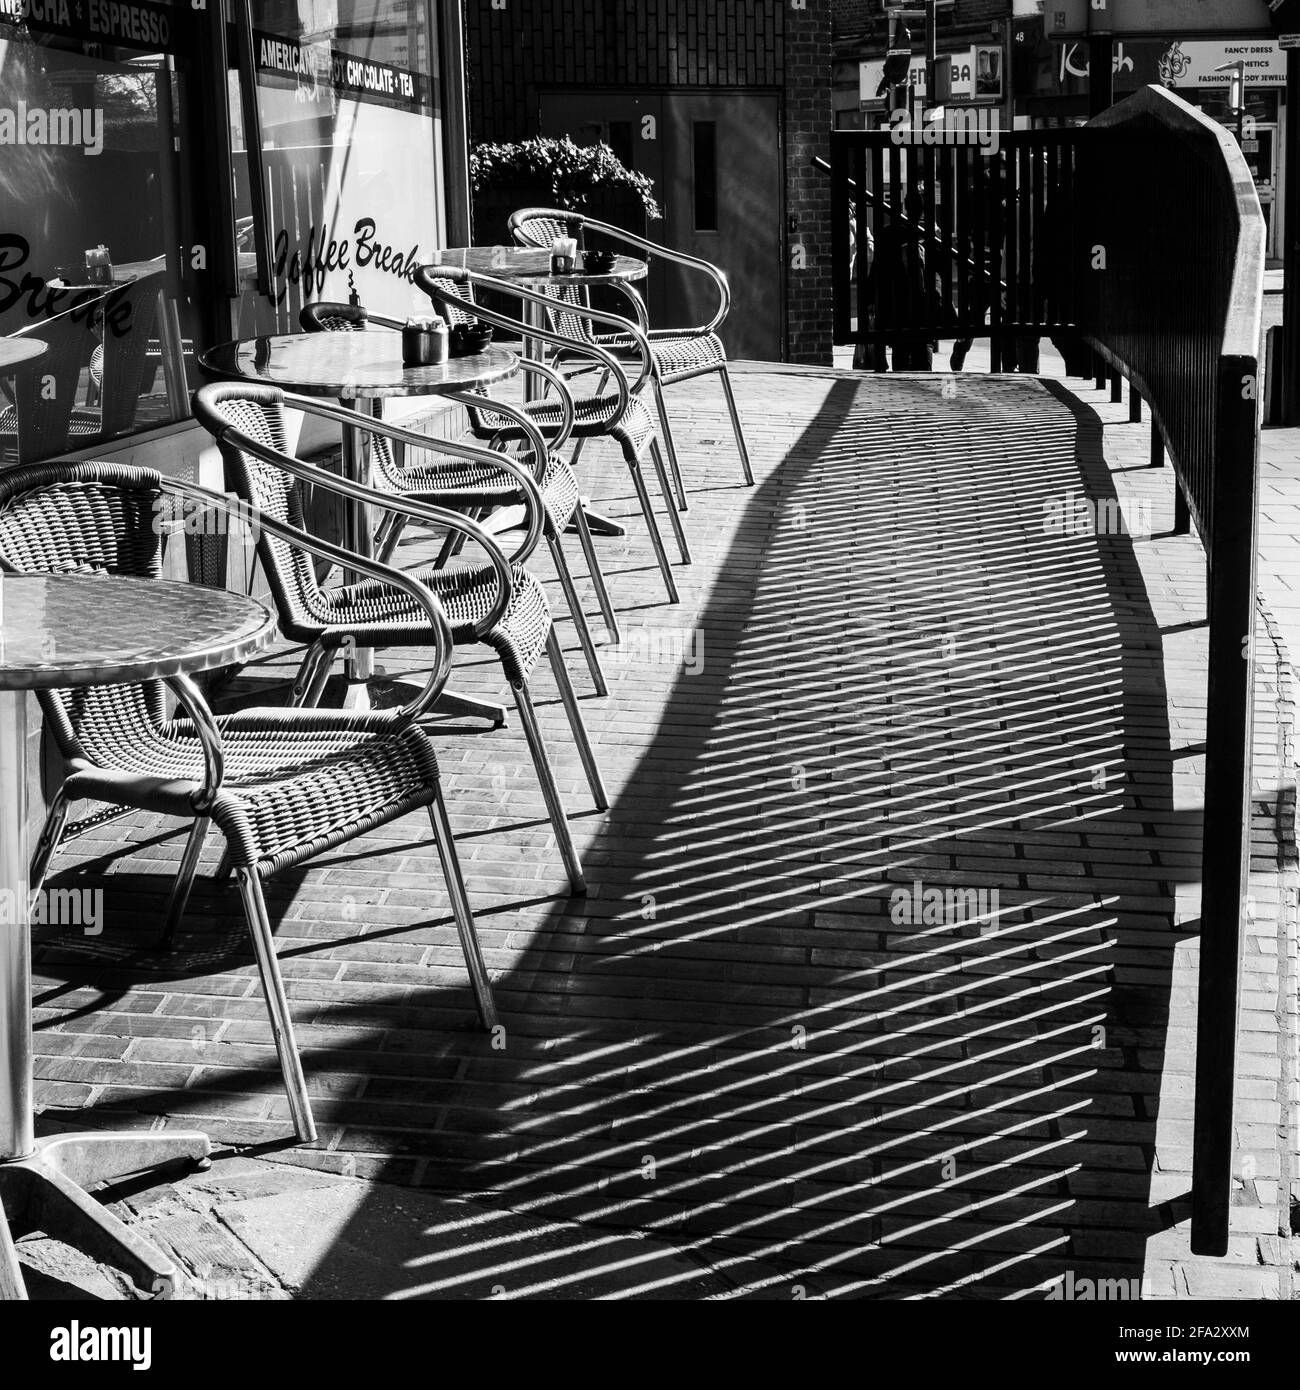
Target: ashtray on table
{"x": 469, "y": 339}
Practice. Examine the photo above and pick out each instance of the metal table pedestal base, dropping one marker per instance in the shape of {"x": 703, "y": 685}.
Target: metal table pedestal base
{"x": 46, "y": 1191}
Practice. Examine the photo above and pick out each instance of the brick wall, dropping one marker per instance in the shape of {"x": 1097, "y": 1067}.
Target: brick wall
{"x": 595, "y": 43}
{"x": 516, "y": 46}
{"x": 807, "y": 191}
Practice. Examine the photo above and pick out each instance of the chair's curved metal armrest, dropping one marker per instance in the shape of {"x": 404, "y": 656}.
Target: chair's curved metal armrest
{"x": 624, "y": 328}
{"x": 562, "y": 390}
{"x": 384, "y": 321}
{"x": 425, "y": 275}
{"x": 534, "y": 507}
{"x": 667, "y": 253}
{"x": 190, "y": 698}
{"x": 258, "y": 521}
{"x": 421, "y": 511}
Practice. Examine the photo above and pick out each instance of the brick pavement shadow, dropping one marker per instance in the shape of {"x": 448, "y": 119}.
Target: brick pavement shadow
{"x": 871, "y": 998}
{"x": 869, "y": 995}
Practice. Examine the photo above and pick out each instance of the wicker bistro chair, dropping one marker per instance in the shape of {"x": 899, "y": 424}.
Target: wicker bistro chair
{"x": 247, "y": 422}
{"x": 281, "y": 784}
{"x": 620, "y": 415}
{"x": 678, "y": 354}
{"x": 476, "y": 485}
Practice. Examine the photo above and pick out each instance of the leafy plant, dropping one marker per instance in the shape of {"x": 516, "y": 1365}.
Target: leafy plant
{"x": 572, "y": 171}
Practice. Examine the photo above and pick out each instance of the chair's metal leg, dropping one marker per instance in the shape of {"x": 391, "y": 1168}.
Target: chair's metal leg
{"x": 596, "y": 573}
{"x": 576, "y": 722}
{"x": 666, "y": 430}
{"x": 277, "y": 1003}
{"x": 388, "y": 535}
{"x": 679, "y": 529}
{"x": 582, "y": 439}
{"x": 51, "y": 837}
{"x": 735, "y": 424}
{"x": 180, "y": 894}
{"x": 469, "y": 942}
{"x": 12, "y": 1288}
{"x": 648, "y": 511}
{"x": 575, "y": 607}
{"x": 454, "y": 540}
{"x": 550, "y": 792}
{"x": 308, "y": 684}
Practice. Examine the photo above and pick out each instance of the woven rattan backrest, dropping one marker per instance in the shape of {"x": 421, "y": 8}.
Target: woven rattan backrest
{"x": 258, "y": 413}
{"x": 86, "y": 518}
{"x": 454, "y": 314}
{"x": 539, "y": 229}
{"x": 327, "y": 317}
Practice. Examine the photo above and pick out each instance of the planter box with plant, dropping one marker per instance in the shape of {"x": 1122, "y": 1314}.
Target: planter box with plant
{"x": 543, "y": 172}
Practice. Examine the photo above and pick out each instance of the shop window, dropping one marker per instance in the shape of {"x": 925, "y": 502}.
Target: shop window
{"x": 705, "y": 175}
{"x": 338, "y": 104}
{"x": 92, "y": 226}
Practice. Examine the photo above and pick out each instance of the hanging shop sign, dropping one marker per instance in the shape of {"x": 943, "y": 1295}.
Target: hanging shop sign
{"x": 318, "y": 71}
{"x": 1043, "y": 68}
{"x": 142, "y": 24}
{"x": 973, "y": 73}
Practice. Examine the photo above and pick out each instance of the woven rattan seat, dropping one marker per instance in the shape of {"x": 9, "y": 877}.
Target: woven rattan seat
{"x": 595, "y": 417}
{"x": 248, "y": 424}
{"x": 284, "y": 785}
{"x": 677, "y": 354}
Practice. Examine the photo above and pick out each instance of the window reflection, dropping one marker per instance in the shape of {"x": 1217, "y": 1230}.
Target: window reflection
{"x": 88, "y": 214}
{"x": 346, "y": 96}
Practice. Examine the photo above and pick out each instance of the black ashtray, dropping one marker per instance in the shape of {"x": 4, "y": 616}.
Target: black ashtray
{"x": 598, "y": 262}
{"x": 468, "y": 339}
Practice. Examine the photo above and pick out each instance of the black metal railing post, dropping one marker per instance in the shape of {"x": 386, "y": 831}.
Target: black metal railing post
{"x": 1225, "y": 855}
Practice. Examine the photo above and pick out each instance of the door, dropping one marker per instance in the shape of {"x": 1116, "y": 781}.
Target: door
{"x": 716, "y": 162}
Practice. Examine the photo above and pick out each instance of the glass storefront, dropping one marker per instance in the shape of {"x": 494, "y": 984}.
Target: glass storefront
{"x": 92, "y": 221}
{"x": 172, "y": 176}
{"x": 346, "y": 113}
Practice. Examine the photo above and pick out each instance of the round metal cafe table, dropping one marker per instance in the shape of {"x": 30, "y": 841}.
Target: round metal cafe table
{"x": 58, "y": 631}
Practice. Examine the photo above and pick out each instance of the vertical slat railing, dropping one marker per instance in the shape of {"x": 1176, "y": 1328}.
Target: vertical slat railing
{"x": 1142, "y": 234}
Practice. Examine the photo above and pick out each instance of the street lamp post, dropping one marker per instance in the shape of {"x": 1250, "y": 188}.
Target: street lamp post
{"x": 1237, "y": 93}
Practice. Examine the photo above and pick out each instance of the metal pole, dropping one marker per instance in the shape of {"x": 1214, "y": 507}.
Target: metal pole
{"x": 1289, "y": 364}
{"x": 931, "y": 56}
{"x": 17, "y": 1136}
{"x": 1101, "y": 77}
{"x": 1241, "y": 102}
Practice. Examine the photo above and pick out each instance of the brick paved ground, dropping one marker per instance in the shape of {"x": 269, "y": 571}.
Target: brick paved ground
{"x": 887, "y": 675}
